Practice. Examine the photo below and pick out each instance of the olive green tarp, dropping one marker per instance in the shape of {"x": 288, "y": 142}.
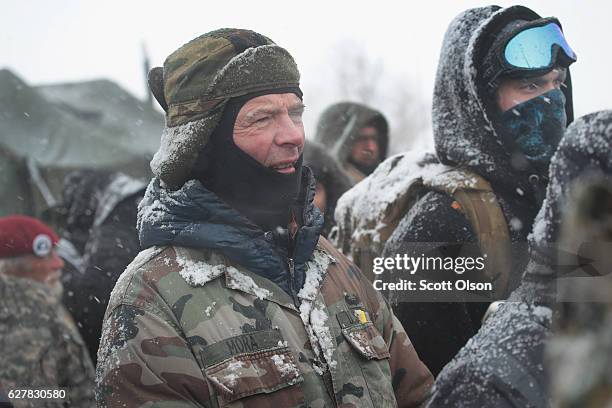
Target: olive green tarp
{"x": 48, "y": 131}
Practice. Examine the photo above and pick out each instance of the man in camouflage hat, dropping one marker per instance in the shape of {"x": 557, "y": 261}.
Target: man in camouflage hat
{"x": 40, "y": 347}
{"x": 235, "y": 299}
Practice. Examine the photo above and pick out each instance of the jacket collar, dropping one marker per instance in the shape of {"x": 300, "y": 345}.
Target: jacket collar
{"x": 199, "y": 268}
{"x": 195, "y": 217}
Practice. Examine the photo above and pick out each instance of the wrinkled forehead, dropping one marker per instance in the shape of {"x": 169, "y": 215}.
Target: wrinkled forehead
{"x": 271, "y": 103}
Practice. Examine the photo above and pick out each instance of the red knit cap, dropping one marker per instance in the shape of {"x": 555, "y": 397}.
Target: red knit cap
{"x": 22, "y": 235}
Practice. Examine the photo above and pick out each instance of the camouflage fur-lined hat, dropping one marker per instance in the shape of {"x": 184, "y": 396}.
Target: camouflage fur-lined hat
{"x": 197, "y": 81}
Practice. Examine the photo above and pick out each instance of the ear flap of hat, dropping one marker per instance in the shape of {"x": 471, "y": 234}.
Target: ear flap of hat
{"x": 156, "y": 85}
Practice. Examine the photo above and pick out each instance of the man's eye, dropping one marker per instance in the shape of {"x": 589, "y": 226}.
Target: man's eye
{"x": 262, "y": 119}
{"x": 531, "y": 87}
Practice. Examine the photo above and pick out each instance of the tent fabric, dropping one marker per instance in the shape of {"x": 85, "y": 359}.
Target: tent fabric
{"x": 65, "y": 127}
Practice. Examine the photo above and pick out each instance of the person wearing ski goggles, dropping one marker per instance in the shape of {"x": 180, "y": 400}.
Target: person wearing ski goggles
{"x": 526, "y": 70}
{"x": 501, "y": 102}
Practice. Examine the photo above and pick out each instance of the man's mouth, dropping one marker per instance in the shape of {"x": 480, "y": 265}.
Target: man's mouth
{"x": 285, "y": 167}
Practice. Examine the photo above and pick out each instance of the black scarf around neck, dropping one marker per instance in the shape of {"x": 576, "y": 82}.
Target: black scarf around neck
{"x": 266, "y": 197}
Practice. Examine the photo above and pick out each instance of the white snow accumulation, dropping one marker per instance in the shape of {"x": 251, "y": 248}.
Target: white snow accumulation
{"x": 313, "y": 312}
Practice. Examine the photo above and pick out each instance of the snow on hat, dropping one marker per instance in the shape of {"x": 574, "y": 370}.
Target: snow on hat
{"x": 199, "y": 79}
{"x": 22, "y": 235}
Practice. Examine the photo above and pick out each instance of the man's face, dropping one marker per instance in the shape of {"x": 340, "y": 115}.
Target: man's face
{"x": 512, "y": 92}
{"x": 269, "y": 128}
{"x": 47, "y": 269}
{"x": 365, "y": 149}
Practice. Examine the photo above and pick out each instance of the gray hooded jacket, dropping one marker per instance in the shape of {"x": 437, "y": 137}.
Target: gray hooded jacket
{"x": 339, "y": 127}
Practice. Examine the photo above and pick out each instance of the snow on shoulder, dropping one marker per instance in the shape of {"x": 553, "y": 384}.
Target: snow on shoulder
{"x": 362, "y": 209}
{"x": 239, "y": 281}
{"x": 198, "y": 272}
{"x": 317, "y": 267}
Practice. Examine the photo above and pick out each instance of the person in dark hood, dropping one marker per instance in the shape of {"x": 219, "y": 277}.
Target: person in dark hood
{"x": 356, "y": 135}
{"x": 502, "y": 100}
{"x": 236, "y": 299}
{"x": 504, "y": 364}
{"x": 332, "y": 182}
{"x": 99, "y": 240}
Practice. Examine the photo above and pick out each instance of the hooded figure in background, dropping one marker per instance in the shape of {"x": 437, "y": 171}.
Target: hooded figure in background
{"x": 99, "y": 240}
{"x": 503, "y": 365}
{"x": 500, "y": 107}
{"x": 356, "y": 135}
{"x": 236, "y": 299}
{"x": 332, "y": 182}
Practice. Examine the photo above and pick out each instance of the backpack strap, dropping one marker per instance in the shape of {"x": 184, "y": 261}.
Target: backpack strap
{"x": 479, "y": 204}
{"x": 364, "y": 248}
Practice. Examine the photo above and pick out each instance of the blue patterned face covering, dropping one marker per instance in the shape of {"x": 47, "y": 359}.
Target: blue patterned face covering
{"x": 534, "y": 128}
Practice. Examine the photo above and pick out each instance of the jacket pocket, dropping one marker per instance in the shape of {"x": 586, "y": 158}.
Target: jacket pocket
{"x": 262, "y": 365}
{"x": 373, "y": 360}
{"x": 366, "y": 340}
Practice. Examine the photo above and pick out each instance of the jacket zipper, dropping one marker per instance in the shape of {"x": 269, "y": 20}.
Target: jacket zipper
{"x": 291, "y": 266}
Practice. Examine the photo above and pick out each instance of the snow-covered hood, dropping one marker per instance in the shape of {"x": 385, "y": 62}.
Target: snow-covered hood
{"x": 339, "y": 126}
{"x": 584, "y": 152}
{"x": 195, "y": 217}
{"x": 361, "y": 211}
{"x": 464, "y": 132}
{"x": 90, "y": 196}
{"x": 583, "y": 155}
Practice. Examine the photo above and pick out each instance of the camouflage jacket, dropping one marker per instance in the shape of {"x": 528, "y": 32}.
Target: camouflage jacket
{"x": 40, "y": 347}
{"x": 186, "y": 327}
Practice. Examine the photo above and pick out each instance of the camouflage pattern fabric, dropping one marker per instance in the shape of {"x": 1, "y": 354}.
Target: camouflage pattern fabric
{"x": 219, "y": 65}
{"x": 185, "y": 327}
{"x": 40, "y": 347}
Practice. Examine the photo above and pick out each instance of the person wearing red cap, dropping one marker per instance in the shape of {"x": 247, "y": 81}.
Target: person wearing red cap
{"x": 27, "y": 251}
{"x": 40, "y": 347}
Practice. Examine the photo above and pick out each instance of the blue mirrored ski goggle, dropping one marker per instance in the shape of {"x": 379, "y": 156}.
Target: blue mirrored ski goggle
{"x": 537, "y": 47}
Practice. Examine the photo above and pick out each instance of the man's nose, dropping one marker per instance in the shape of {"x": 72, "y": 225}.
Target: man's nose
{"x": 549, "y": 86}
{"x": 371, "y": 144}
{"x": 56, "y": 261}
{"x": 290, "y": 132}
